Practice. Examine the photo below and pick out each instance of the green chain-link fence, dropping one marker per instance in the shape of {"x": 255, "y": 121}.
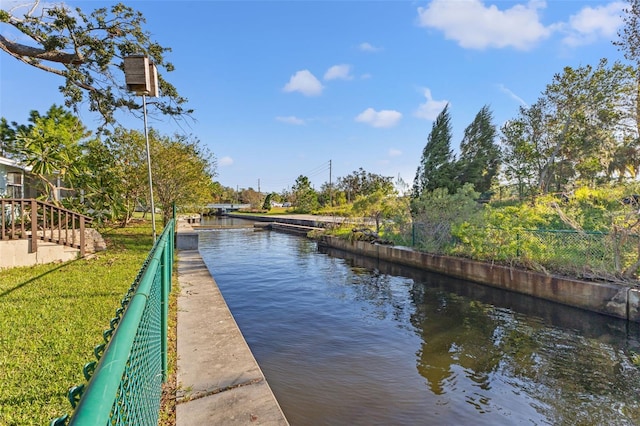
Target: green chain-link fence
{"x": 580, "y": 253}
{"x": 125, "y": 384}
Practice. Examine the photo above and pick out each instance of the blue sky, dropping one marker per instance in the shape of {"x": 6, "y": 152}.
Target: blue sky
{"x": 280, "y": 88}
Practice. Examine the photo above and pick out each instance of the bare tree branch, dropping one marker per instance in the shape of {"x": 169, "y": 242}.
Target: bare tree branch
{"x": 16, "y": 49}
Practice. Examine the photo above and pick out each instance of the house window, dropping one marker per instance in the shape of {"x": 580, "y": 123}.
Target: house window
{"x": 14, "y": 185}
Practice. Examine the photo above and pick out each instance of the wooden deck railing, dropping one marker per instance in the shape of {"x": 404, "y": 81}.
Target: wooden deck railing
{"x": 39, "y": 220}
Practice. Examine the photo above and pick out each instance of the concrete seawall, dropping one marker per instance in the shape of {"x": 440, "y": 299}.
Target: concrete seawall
{"x": 617, "y": 300}
{"x": 299, "y": 220}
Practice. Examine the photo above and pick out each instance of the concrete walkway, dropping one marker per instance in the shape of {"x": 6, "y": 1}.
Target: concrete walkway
{"x": 219, "y": 380}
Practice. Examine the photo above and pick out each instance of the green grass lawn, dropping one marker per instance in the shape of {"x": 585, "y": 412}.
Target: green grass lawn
{"x": 52, "y": 316}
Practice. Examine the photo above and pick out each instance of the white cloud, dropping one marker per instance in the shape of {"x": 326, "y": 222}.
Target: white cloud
{"x": 592, "y": 23}
{"x": 225, "y": 161}
{"x": 431, "y": 108}
{"x": 305, "y": 83}
{"x": 476, "y": 26}
{"x": 291, "y": 120}
{"x": 338, "y": 72}
{"x": 368, "y": 47}
{"x": 394, "y": 152}
{"x": 384, "y": 118}
{"x": 512, "y": 95}
{"x": 366, "y": 76}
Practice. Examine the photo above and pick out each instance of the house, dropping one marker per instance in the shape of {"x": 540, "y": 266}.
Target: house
{"x": 15, "y": 181}
{"x": 34, "y": 231}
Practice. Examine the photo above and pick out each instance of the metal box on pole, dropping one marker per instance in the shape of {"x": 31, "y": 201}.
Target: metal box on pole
{"x": 136, "y": 73}
{"x": 153, "y": 80}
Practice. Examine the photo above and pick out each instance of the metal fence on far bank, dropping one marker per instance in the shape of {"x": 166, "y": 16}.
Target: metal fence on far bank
{"x": 581, "y": 253}
{"x": 125, "y": 384}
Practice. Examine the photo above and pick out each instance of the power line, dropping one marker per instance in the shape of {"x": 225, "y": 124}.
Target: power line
{"x": 313, "y": 172}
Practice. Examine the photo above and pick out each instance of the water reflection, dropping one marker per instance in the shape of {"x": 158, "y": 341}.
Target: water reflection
{"x": 594, "y": 325}
{"x": 348, "y": 340}
{"x": 475, "y": 340}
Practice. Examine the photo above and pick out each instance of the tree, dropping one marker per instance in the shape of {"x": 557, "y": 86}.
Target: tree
{"x": 98, "y": 176}
{"x": 519, "y": 154}
{"x": 377, "y": 206}
{"x": 362, "y": 183}
{"x": 101, "y": 189}
{"x": 436, "y": 212}
{"x": 435, "y": 169}
{"x": 379, "y": 202}
{"x": 330, "y": 196}
{"x": 577, "y": 131}
{"x": 305, "y": 197}
{"x": 479, "y": 154}
{"x": 51, "y": 146}
{"x": 587, "y": 105}
{"x": 251, "y": 196}
{"x": 326, "y": 194}
{"x": 128, "y": 150}
{"x": 7, "y": 139}
{"x": 629, "y": 43}
{"x": 528, "y": 143}
{"x": 87, "y": 51}
{"x": 401, "y": 186}
{"x": 267, "y": 202}
{"x": 286, "y": 195}
{"x": 625, "y": 162}
{"x": 182, "y": 171}
{"x": 223, "y": 194}
{"x": 275, "y": 197}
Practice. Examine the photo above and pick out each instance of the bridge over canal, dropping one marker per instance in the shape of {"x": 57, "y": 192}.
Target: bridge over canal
{"x": 224, "y": 208}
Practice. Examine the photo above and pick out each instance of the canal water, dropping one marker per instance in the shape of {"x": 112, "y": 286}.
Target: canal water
{"x": 344, "y": 340}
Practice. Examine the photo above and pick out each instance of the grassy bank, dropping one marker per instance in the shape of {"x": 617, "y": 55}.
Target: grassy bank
{"x": 51, "y": 318}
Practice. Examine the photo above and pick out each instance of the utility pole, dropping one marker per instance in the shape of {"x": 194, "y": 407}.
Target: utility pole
{"x": 258, "y": 185}
{"x": 146, "y": 138}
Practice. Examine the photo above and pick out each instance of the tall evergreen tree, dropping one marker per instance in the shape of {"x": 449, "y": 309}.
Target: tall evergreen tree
{"x": 306, "y": 198}
{"x": 436, "y": 165}
{"x": 479, "y": 152}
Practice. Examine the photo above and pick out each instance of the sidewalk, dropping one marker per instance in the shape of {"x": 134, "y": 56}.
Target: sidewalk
{"x": 219, "y": 380}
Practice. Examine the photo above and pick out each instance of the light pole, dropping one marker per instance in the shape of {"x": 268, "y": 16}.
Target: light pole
{"x": 142, "y": 78}
{"x": 146, "y": 139}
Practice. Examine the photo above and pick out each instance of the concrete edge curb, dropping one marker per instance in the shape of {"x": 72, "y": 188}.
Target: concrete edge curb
{"x": 219, "y": 380}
